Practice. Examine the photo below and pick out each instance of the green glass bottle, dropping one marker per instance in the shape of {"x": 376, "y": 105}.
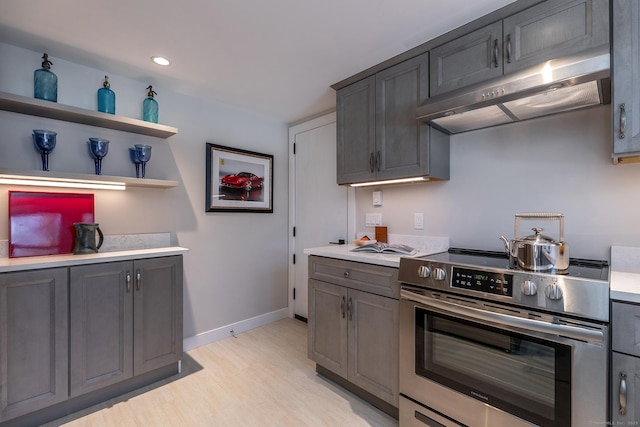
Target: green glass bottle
{"x": 150, "y": 107}
{"x": 45, "y": 83}
{"x": 106, "y": 98}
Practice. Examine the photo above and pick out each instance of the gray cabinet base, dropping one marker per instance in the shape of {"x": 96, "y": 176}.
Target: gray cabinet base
{"x": 99, "y": 396}
{"x": 363, "y": 394}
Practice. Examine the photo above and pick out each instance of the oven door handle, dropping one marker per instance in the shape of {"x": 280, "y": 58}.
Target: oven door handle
{"x": 574, "y": 332}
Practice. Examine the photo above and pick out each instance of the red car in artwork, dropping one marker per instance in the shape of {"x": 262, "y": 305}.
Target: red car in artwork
{"x": 243, "y": 181}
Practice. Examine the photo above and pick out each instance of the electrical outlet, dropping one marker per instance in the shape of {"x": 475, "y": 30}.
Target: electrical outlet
{"x": 418, "y": 221}
{"x": 372, "y": 219}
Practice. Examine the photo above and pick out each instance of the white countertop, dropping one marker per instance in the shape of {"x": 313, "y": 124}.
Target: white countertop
{"x": 624, "y": 283}
{"x": 49, "y": 261}
{"x": 344, "y": 252}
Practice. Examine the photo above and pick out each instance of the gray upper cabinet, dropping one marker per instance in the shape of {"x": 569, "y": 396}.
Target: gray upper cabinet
{"x": 554, "y": 29}
{"x": 549, "y": 30}
{"x": 34, "y": 338}
{"x": 626, "y": 86}
{"x": 378, "y": 135}
{"x": 472, "y": 58}
{"x": 356, "y": 138}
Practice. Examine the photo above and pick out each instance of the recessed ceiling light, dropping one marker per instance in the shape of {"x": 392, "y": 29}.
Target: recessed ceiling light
{"x": 160, "y": 60}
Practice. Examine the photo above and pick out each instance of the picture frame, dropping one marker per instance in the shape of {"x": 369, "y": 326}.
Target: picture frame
{"x": 238, "y": 180}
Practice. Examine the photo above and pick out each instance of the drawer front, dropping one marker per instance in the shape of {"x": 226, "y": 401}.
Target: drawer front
{"x": 625, "y": 327}
{"x": 376, "y": 279}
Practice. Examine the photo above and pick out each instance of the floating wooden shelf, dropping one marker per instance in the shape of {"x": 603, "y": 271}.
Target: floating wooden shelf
{"x": 53, "y": 110}
{"x": 129, "y": 181}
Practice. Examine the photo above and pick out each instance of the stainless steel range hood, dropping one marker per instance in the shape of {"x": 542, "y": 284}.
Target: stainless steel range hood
{"x": 556, "y": 86}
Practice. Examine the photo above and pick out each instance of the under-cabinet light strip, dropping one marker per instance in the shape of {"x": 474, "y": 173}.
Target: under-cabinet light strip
{"x": 391, "y": 181}
{"x": 61, "y": 182}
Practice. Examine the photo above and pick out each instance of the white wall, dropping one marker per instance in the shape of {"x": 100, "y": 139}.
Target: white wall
{"x": 559, "y": 164}
{"x": 237, "y": 265}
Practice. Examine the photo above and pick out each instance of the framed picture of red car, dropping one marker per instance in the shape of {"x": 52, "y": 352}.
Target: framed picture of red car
{"x": 238, "y": 180}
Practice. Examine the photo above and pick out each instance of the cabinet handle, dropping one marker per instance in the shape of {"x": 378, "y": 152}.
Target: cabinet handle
{"x": 378, "y": 161}
{"x": 495, "y": 53}
{"x": 342, "y": 307}
{"x": 623, "y": 394}
{"x": 371, "y": 162}
{"x": 346, "y": 274}
{"x": 128, "y": 282}
{"x": 508, "y": 49}
{"x": 350, "y": 309}
{"x": 623, "y": 121}
{"x": 138, "y": 280}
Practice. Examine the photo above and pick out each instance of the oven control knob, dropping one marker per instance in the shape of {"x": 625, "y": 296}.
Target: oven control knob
{"x": 529, "y": 287}
{"x": 553, "y": 291}
{"x": 424, "y": 271}
{"x": 439, "y": 273}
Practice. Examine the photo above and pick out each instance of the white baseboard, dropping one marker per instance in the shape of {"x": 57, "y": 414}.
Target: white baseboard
{"x": 189, "y": 343}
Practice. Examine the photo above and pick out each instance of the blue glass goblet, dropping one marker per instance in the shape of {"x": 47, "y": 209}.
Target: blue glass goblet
{"x": 98, "y": 149}
{"x": 134, "y": 159}
{"x": 143, "y": 154}
{"x": 44, "y": 142}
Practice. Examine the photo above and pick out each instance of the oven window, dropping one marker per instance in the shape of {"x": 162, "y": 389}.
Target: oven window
{"x": 525, "y": 376}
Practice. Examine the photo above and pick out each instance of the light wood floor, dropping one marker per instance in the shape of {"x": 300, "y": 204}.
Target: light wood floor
{"x": 260, "y": 378}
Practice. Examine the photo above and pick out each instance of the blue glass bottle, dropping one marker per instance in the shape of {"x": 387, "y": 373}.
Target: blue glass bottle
{"x": 106, "y": 98}
{"x": 45, "y": 83}
{"x": 150, "y": 107}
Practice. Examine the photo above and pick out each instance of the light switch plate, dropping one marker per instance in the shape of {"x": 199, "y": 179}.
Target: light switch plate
{"x": 372, "y": 219}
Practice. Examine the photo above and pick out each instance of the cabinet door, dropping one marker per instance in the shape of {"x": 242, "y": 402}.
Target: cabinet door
{"x": 626, "y": 77}
{"x": 34, "y": 353}
{"x": 157, "y": 312}
{"x": 473, "y": 58}
{"x": 101, "y": 325}
{"x": 625, "y": 328}
{"x": 553, "y": 29}
{"x": 373, "y": 344}
{"x": 625, "y": 383}
{"x": 402, "y": 145}
{"x": 355, "y": 116}
{"x": 327, "y": 337}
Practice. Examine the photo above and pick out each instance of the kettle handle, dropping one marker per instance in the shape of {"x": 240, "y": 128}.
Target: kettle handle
{"x": 101, "y": 238}
{"x": 544, "y": 216}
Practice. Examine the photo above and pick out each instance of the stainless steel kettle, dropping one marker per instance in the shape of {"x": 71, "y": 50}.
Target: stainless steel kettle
{"x": 85, "y": 242}
{"x": 538, "y": 252}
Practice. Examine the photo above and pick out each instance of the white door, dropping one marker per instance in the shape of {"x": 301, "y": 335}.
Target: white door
{"x": 319, "y": 212}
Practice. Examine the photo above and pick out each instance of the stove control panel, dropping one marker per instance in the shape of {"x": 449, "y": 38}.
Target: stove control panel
{"x": 482, "y": 281}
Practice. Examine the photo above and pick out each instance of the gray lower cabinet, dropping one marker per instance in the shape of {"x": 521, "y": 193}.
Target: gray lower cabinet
{"x": 74, "y": 336}
{"x": 34, "y": 352}
{"x": 378, "y": 137}
{"x": 548, "y": 30}
{"x": 126, "y": 319}
{"x": 625, "y": 70}
{"x": 353, "y": 324}
{"x": 625, "y": 363}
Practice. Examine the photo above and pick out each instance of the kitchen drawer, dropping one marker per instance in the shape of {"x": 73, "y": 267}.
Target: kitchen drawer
{"x": 371, "y": 278}
{"x": 625, "y": 327}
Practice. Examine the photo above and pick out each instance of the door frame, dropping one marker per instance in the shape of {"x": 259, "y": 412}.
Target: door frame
{"x": 294, "y": 129}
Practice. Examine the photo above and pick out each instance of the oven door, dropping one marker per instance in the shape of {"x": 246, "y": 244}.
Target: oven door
{"x": 482, "y": 364}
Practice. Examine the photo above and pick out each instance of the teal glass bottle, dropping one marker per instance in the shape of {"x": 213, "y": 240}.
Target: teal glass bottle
{"x": 45, "y": 83}
{"x": 150, "y": 107}
{"x": 106, "y": 98}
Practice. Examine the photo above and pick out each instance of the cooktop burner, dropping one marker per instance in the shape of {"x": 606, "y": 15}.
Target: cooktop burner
{"x": 578, "y": 267}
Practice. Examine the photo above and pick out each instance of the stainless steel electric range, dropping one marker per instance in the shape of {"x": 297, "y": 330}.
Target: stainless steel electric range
{"x": 485, "y": 345}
